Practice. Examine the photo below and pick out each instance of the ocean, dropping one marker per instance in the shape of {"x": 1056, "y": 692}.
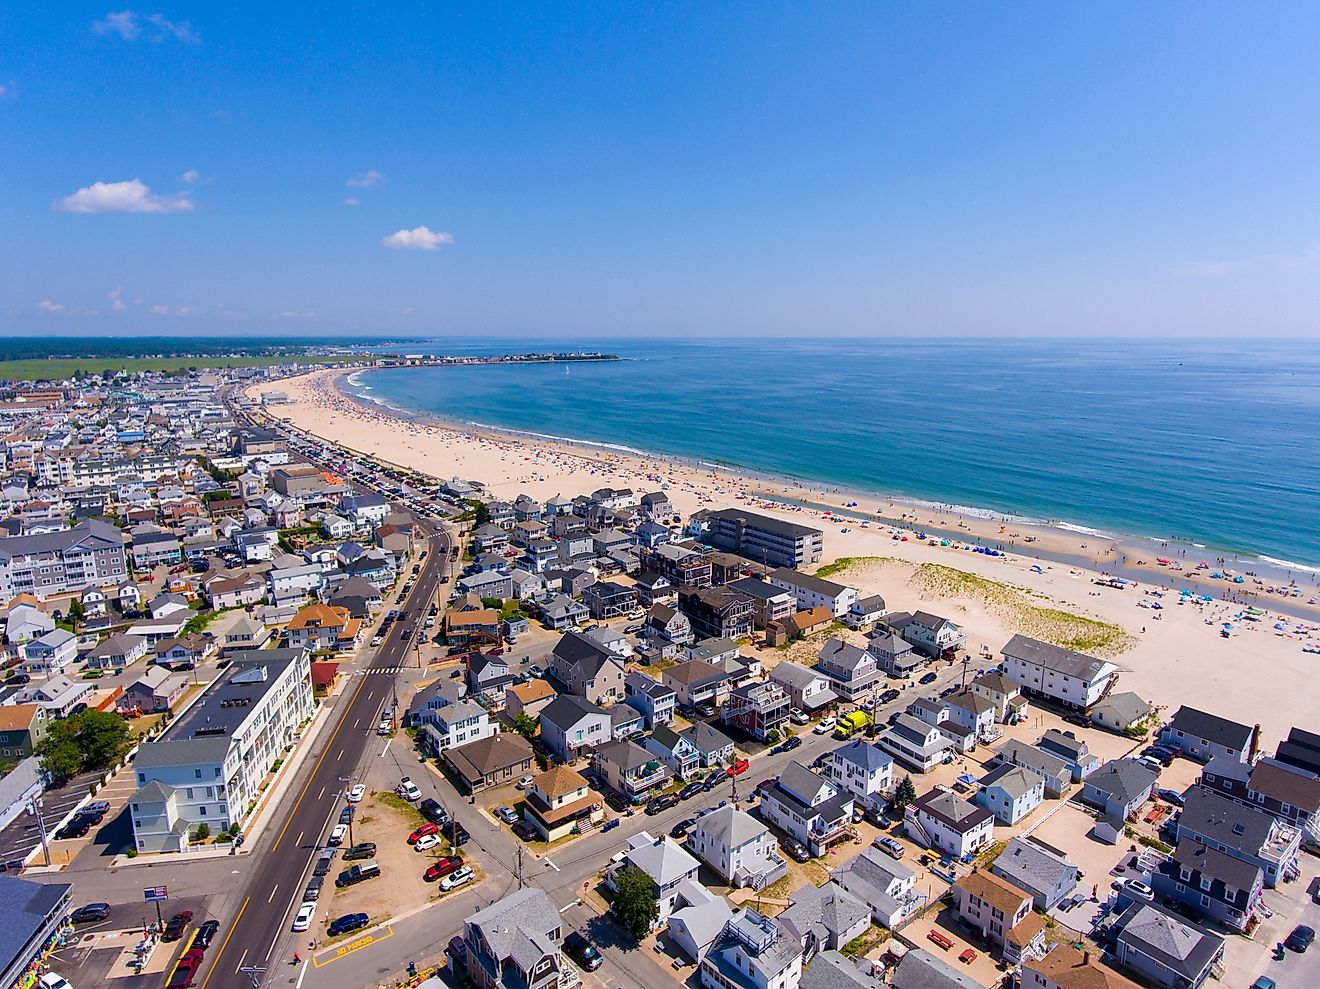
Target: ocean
{"x": 1208, "y": 442}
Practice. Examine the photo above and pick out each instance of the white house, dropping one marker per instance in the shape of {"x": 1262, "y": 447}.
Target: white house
{"x": 890, "y": 887}
{"x": 1011, "y": 793}
{"x": 942, "y": 820}
{"x": 49, "y": 654}
{"x": 863, "y": 769}
{"x": 1063, "y": 675}
{"x": 814, "y": 592}
{"x": 665, "y": 863}
{"x": 738, "y": 847}
{"x": 753, "y": 952}
{"x": 914, "y": 743}
{"x": 808, "y": 807}
{"x": 457, "y": 724}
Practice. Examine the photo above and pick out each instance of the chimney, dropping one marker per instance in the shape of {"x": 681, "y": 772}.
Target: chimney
{"x": 1255, "y": 745}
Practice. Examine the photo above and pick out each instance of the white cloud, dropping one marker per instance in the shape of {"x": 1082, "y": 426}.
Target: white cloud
{"x": 159, "y": 310}
{"x": 45, "y": 305}
{"x": 132, "y": 196}
{"x": 295, "y": 314}
{"x": 130, "y": 25}
{"x": 351, "y": 201}
{"x": 190, "y": 176}
{"x": 185, "y": 311}
{"x": 409, "y": 310}
{"x": 7, "y": 90}
{"x": 365, "y": 180}
{"x": 417, "y": 239}
{"x": 116, "y": 303}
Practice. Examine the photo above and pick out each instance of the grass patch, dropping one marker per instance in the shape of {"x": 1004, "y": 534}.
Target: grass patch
{"x": 1062, "y": 628}
{"x": 845, "y": 563}
{"x": 396, "y": 802}
{"x": 864, "y": 942}
{"x": 59, "y": 368}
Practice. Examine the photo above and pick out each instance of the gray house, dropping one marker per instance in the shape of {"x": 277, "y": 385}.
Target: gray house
{"x": 1057, "y": 775}
{"x": 1119, "y": 787}
{"x": 1245, "y": 833}
{"x": 572, "y": 725}
{"x": 1037, "y": 870}
{"x": 1201, "y": 736}
{"x": 1212, "y": 883}
{"x": 653, "y": 699}
{"x": 1164, "y": 947}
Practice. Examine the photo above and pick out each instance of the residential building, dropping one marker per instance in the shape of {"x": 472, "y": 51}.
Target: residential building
{"x": 653, "y": 699}
{"x": 453, "y": 725}
{"x": 673, "y": 750}
{"x": 560, "y": 802}
{"x": 1243, "y": 832}
{"x": 514, "y": 943}
{"x": 1120, "y": 711}
{"x": 697, "y": 682}
{"x": 853, "y": 671}
{"x": 1119, "y": 787}
{"x": 753, "y": 952}
{"x": 606, "y": 599}
{"x": 1165, "y": 948}
{"x": 716, "y": 612}
{"x": 714, "y": 748}
{"x": 757, "y": 709}
{"x": 1301, "y": 749}
{"x": 562, "y": 612}
{"x": 808, "y": 808}
{"x": 631, "y": 771}
{"x": 890, "y": 887}
{"x": 1211, "y": 883}
{"x": 1004, "y": 693}
{"x": 824, "y": 917}
{"x": 324, "y": 628}
{"x": 920, "y": 969}
{"x": 739, "y": 848}
{"x": 529, "y": 698}
{"x": 668, "y": 624}
{"x": 1279, "y": 789}
{"x": 944, "y": 821}
{"x": 1011, "y": 793}
{"x": 22, "y": 727}
{"x": 1039, "y": 871}
{"x": 865, "y": 612}
{"x": 664, "y": 862}
{"x": 808, "y": 690}
{"x": 91, "y": 554}
{"x": 1051, "y": 768}
{"x": 244, "y": 634}
{"x": 571, "y": 726}
{"x": 588, "y": 669}
{"x": 769, "y": 603}
{"x": 1002, "y": 914}
{"x": 494, "y": 760}
{"x": 683, "y": 565}
{"x": 894, "y": 655}
{"x": 764, "y": 538}
{"x": 478, "y": 627}
{"x": 1074, "y": 751}
{"x": 50, "y": 654}
{"x": 699, "y": 920}
{"x": 863, "y": 769}
{"x": 1202, "y": 736}
{"x": 914, "y": 743}
{"x": 1065, "y": 676}
{"x": 58, "y": 696}
{"x": 1065, "y": 967}
{"x": 208, "y": 766}
{"x": 35, "y": 917}
{"x": 814, "y": 592}
{"x": 929, "y": 634}
{"x": 156, "y": 690}
{"x": 235, "y": 592}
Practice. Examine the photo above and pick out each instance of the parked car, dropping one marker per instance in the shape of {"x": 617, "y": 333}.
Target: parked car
{"x": 797, "y": 717}
{"x": 582, "y": 951}
{"x": 1151, "y": 763}
{"x": 302, "y": 920}
{"x": 791, "y": 743}
{"x": 362, "y": 850}
{"x": 97, "y": 807}
{"x": 91, "y": 912}
{"x": 691, "y": 790}
{"x": 313, "y": 891}
{"x": 206, "y": 934}
{"x": 506, "y": 814}
{"x": 766, "y": 784}
{"x": 527, "y": 832}
{"x": 1171, "y": 796}
{"x": 524, "y": 783}
{"x": 1300, "y": 939}
{"x": 825, "y": 726}
{"x": 1136, "y": 889}
{"x": 679, "y": 831}
{"x": 890, "y": 846}
{"x": 425, "y": 843}
{"x": 739, "y": 767}
{"x": 928, "y": 678}
{"x": 706, "y": 710}
{"x": 385, "y": 727}
{"x": 74, "y": 829}
{"x": 662, "y": 803}
{"x": 408, "y": 790}
{"x": 433, "y": 811}
{"x": 177, "y": 925}
{"x": 442, "y": 867}
{"x": 460, "y": 877}
{"x": 346, "y": 924}
{"x": 421, "y": 831}
{"x": 890, "y": 695}
{"x": 355, "y": 793}
{"x": 796, "y": 850}
{"x": 1080, "y": 720}
{"x": 337, "y": 835}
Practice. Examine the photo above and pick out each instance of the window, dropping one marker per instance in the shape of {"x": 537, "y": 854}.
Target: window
{"x": 197, "y": 774}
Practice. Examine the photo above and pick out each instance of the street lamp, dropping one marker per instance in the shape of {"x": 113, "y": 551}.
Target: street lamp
{"x": 35, "y": 808}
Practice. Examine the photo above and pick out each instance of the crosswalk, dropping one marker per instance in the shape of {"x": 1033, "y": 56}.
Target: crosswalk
{"x": 391, "y": 670}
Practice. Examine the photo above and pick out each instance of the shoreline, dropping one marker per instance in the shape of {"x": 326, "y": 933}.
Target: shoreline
{"x": 1131, "y": 557}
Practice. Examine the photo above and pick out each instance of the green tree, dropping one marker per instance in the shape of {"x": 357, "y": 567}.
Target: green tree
{"x": 634, "y": 902}
{"x": 525, "y": 725}
{"x": 202, "y": 833}
{"x": 86, "y": 741}
{"x": 905, "y": 794}
{"x": 76, "y": 613}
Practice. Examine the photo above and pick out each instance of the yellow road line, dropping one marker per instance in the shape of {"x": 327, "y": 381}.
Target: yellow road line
{"x": 366, "y": 941}
{"x": 225, "y": 943}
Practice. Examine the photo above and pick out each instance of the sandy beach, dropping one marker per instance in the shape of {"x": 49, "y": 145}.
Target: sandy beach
{"x": 1170, "y": 645}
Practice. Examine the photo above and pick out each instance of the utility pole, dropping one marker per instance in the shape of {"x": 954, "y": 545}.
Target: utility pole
{"x": 967, "y": 659}
{"x": 520, "y": 872}
{"x": 352, "y": 811}
{"x": 35, "y": 808}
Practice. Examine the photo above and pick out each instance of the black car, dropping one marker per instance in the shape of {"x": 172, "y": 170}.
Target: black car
{"x": 457, "y": 836}
{"x": 792, "y": 743}
{"x": 362, "y": 850}
{"x": 1300, "y": 939}
{"x": 206, "y": 934}
{"x": 582, "y": 951}
{"x": 928, "y": 678}
{"x": 74, "y": 829}
{"x": 691, "y": 790}
{"x": 433, "y": 811}
{"x": 680, "y": 830}
{"x": 796, "y": 850}
{"x": 347, "y": 923}
{"x": 890, "y": 695}
{"x": 91, "y": 912}
{"x": 177, "y": 925}
{"x": 662, "y": 803}
{"x": 346, "y": 815}
{"x": 313, "y": 891}
{"x": 525, "y": 831}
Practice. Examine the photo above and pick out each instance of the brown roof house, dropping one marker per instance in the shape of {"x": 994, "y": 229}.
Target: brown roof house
{"x": 560, "y": 803}
{"x": 491, "y": 761}
{"x": 1002, "y": 913}
{"x": 529, "y": 698}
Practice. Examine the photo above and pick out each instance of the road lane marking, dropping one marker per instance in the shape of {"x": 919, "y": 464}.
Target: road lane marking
{"x": 366, "y": 941}
{"x": 321, "y": 794}
{"x": 225, "y": 944}
{"x": 387, "y": 747}
{"x": 274, "y": 888}
{"x": 357, "y": 723}
{"x": 553, "y": 866}
{"x": 302, "y": 972}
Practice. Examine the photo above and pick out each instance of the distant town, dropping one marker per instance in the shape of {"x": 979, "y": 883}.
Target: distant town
{"x": 260, "y": 686}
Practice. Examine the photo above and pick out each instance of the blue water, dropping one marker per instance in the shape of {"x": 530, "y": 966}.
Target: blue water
{"x": 1213, "y": 443}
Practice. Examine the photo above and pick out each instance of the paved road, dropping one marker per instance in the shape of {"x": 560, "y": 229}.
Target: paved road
{"x": 275, "y": 889}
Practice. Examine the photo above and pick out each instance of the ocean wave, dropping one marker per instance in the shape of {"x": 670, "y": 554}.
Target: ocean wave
{"x": 355, "y": 379}
{"x": 974, "y": 513}
{"x": 1085, "y": 530}
{"x": 619, "y": 447}
{"x": 1288, "y": 564}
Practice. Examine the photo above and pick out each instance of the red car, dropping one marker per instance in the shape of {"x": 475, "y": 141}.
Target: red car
{"x": 766, "y": 784}
{"x": 422, "y": 831}
{"x": 739, "y": 767}
{"x": 442, "y": 868}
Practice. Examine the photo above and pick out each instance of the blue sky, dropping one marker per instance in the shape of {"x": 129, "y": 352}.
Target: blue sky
{"x": 691, "y": 169}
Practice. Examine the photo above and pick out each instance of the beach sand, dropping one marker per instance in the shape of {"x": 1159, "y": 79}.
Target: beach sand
{"x": 1170, "y": 657}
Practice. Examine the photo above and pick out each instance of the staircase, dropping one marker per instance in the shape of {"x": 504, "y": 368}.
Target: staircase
{"x": 585, "y": 825}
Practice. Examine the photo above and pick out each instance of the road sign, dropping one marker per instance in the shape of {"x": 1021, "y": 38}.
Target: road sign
{"x": 154, "y": 894}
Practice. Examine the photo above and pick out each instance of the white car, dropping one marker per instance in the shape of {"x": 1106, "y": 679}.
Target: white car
{"x": 384, "y": 728}
{"x": 825, "y": 727}
{"x": 797, "y": 717}
{"x": 408, "y": 790}
{"x": 303, "y": 920}
{"x": 356, "y": 792}
{"x": 426, "y": 842}
{"x": 524, "y": 783}
{"x": 377, "y": 640}
{"x": 454, "y": 880}
{"x": 338, "y": 835}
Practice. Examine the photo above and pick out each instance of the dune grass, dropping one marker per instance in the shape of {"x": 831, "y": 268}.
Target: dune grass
{"x": 846, "y": 563}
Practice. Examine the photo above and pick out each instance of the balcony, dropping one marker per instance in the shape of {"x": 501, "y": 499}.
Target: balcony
{"x": 646, "y": 778}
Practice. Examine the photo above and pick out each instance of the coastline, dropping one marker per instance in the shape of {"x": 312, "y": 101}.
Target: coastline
{"x": 1127, "y": 556}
